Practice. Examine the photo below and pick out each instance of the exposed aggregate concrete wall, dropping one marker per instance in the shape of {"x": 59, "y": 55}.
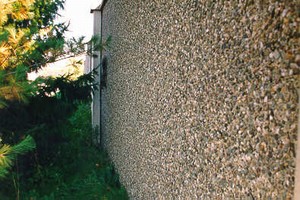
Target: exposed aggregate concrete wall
{"x": 200, "y": 100}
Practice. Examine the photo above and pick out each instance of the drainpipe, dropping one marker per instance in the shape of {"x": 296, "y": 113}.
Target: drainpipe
{"x": 297, "y": 173}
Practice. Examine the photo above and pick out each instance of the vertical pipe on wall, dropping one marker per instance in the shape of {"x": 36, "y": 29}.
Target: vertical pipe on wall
{"x": 100, "y": 99}
{"x": 297, "y": 170}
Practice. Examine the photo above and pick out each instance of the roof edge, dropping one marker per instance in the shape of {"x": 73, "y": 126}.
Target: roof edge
{"x": 100, "y": 7}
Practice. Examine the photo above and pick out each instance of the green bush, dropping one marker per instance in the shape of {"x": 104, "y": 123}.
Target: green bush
{"x": 70, "y": 168}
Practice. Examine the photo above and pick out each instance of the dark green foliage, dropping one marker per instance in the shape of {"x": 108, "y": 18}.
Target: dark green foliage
{"x": 9, "y": 153}
{"x": 24, "y": 146}
{"x": 52, "y": 111}
{"x": 66, "y": 165}
{"x": 58, "y": 117}
{"x": 79, "y": 170}
{"x": 44, "y": 117}
{"x": 69, "y": 90}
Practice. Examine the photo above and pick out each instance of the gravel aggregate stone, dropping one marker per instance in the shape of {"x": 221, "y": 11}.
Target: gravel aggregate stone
{"x": 201, "y": 98}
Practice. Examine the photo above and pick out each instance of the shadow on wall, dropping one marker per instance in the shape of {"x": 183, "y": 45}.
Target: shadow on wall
{"x": 103, "y": 82}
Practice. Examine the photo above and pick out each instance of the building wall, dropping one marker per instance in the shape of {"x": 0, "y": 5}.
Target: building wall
{"x": 200, "y": 101}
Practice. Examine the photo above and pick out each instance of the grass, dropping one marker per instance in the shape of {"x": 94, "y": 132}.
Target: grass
{"x": 90, "y": 176}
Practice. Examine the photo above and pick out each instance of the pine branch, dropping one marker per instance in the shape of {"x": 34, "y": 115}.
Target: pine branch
{"x": 5, "y": 156}
{"x": 23, "y": 147}
{"x": 9, "y": 153}
{"x": 3, "y": 172}
{"x": 70, "y": 54}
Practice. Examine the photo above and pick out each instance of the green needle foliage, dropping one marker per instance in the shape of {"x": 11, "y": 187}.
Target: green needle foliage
{"x": 65, "y": 164}
{"x": 9, "y": 153}
{"x": 28, "y": 40}
{"x": 54, "y": 113}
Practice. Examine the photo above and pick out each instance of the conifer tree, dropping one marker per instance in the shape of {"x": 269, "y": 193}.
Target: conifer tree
{"x": 29, "y": 39}
{"x": 9, "y": 153}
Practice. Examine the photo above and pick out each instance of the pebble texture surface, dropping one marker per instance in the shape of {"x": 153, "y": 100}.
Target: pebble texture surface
{"x": 200, "y": 100}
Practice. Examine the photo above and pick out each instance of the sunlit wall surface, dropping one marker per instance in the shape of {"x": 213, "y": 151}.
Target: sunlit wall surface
{"x": 200, "y": 100}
